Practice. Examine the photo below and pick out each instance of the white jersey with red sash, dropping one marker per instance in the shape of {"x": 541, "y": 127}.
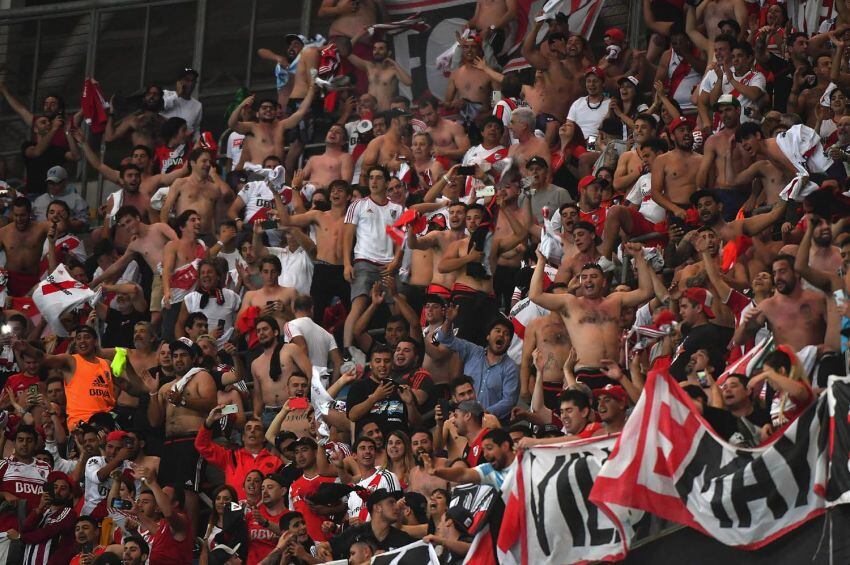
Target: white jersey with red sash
{"x": 258, "y": 199}
{"x": 66, "y": 245}
{"x": 381, "y": 478}
{"x": 184, "y": 279}
{"x": 503, "y": 110}
{"x": 477, "y": 155}
{"x": 681, "y": 80}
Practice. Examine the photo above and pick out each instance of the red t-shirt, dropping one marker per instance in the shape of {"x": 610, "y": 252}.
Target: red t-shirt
{"x": 19, "y": 382}
{"x": 300, "y": 489}
{"x": 96, "y": 551}
{"x": 596, "y": 217}
{"x": 261, "y": 540}
{"x": 165, "y": 550}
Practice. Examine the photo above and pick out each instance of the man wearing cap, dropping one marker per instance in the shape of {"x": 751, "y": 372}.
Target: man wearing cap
{"x": 183, "y": 406}
{"x": 179, "y": 102}
{"x": 611, "y": 404}
{"x": 591, "y": 209}
{"x": 382, "y": 506}
{"x": 696, "y": 309}
{"x": 674, "y": 173}
{"x": 236, "y": 463}
{"x": 619, "y": 63}
{"x": 99, "y": 476}
{"x": 718, "y": 12}
{"x": 543, "y": 194}
{"x": 285, "y": 64}
{"x": 263, "y": 522}
{"x": 22, "y": 240}
{"x": 453, "y": 534}
{"x": 721, "y": 155}
{"x": 57, "y": 189}
{"x": 48, "y": 531}
{"x": 587, "y": 112}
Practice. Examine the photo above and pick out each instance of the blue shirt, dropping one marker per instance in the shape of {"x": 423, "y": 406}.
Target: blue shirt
{"x": 496, "y": 386}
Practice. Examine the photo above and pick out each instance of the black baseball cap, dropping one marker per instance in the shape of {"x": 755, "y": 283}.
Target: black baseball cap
{"x": 435, "y": 299}
{"x": 184, "y": 343}
{"x": 284, "y": 436}
{"x": 82, "y": 328}
{"x": 290, "y": 37}
{"x": 187, "y": 71}
{"x": 380, "y": 495}
{"x": 537, "y": 160}
{"x": 461, "y": 518}
{"x": 397, "y": 113}
{"x": 306, "y": 440}
{"x": 556, "y": 35}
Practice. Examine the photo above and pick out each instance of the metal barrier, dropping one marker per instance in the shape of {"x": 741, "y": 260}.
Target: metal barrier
{"x": 128, "y": 44}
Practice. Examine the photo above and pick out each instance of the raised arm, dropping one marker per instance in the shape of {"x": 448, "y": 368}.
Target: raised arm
{"x": 821, "y": 279}
{"x": 644, "y": 291}
{"x": 16, "y": 105}
{"x": 233, "y": 121}
{"x": 94, "y": 160}
{"x": 530, "y": 51}
{"x": 553, "y": 302}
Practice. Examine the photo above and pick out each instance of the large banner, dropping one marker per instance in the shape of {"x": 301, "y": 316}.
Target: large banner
{"x": 670, "y": 463}
{"x": 549, "y": 518}
{"x": 446, "y": 18}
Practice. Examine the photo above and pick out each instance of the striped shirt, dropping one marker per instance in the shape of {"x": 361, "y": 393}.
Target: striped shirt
{"x": 53, "y": 534}
{"x": 380, "y": 478}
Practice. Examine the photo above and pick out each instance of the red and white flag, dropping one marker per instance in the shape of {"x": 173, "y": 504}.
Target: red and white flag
{"x": 58, "y": 293}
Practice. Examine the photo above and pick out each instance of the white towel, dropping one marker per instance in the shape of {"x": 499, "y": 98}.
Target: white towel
{"x": 802, "y": 146}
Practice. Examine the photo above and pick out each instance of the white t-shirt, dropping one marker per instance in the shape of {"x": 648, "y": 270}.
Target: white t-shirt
{"x": 258, "y": 199}
{"x": 95, "y": 491}
{"x": 215, "y": 311}
{"x": 296, "y": 268}
{"x": 319, "y": 341}
{"x": 190, "y": 110}
{"x": 373, "y": 243}
{"x": 641, "y": 194}
{"x": 750, "y": 78}
{"x": 588, "y": 116}
{"x": 234, "y": 148}
{"x": 381, "y": 478}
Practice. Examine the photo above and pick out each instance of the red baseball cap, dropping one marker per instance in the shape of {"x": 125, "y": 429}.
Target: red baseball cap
{"x": 117, "y": 435}
{"x": 586, "y": 181}
{"x": 680, "y": 121}
{"x": 614, "y": 391}
{"x": 595, "y": 71}
{"x": 701, "y": 297}
{"x": 616, "y": 34}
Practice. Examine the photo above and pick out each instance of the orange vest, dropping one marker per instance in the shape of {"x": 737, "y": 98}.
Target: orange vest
{"x": 90, "y": 391}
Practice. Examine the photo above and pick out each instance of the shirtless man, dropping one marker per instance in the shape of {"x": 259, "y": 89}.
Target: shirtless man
{"x": 674, "y": 173}
{"x": 797, "y": 317}
{"x": 272, "y": 299}
{"x": 202, "y": 191}
{"x": 593, "y": 319}
{"x": 182, "y": 406}
{"x": 721, "y": 155}
{"x": 548, "y": 337}
{"x": 23, "y": 240}
{"x": 630, "y": 167}
{"x": 141, "y": 358}
{"x": 427, "y": 167}
{"x": 383, "y": 72}
{"x": 584, "y": 239}
{"x": 149, "y": 241}
{"x": 265, "y": 136}
{"x": 493, "y": 16}
{"x": 528, "y": 145}
{"x": 510, "y": 262}
{"x": 563, "y": 70}
{"x": 752, "y": 140}
{"x": 438, "y": 242}
{"x": 441, "y": 362}
{"x": 333, "y": 164}
{"x": 469, "y": 87}
{"x": 144, "y": 126}
{"x": 474, "y": 260}
{"x": 328, "y": 268}
{"x": 450, "y": 139}
{"x": 385, "y": 149}
{"x": 806, "y": 102}
{"x": 271, "y": 383}
{"x": 350, "y": 16}
{"x": 712, "y": 12}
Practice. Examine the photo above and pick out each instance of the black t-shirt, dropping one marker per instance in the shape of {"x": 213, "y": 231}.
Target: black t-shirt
{"x": 723, "y": 422}
{"x": 119, "y": 327}
{"x": 707, "y": 336}
{"x": 390, "y": 413}
{"x": 342, "y": 543}
{"x": 37, "y": 167}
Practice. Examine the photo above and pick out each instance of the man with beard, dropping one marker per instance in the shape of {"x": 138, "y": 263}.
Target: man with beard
{"x": 797, "y": 317}
{"x": 630, "y": 166}
{"x": 99, "y": 474}
{"x": 823, "y": 257}
{"x": 739, "y": 403}
{"x": 135, "y": 551}
{"x": 149, "y": 241}
{"x": 421, "y": 443}
{"x": 839, "y": 151}
{"x": 587, "y": 112}
{"x": 163, "y": 520}
{"x": 389, "y": 402}
{"x": 383, "y": 72}
{"x": 720, "y": 155}
{"x": 447, "y": 436}
{"x": 295, "y": 543}
{"x": 333, "y": 164}
{"x": 449, "y": 138}
{"x": 22, "y": 479}
{"x": 22, "y": 240}
{"x": 469, "y": 87}
{"x": 272, "y": 369}
{"x": 306, "y": 451}
{"x": 382, "y": 506}
{"x": 593, "y": 319}
{"x": 236, "y": 463}
{"x": 696, "y": 307}
{"x": 386, "y": 149}
{"x": 143, "y": 125}
{"x": 48, "y": 531}
{"x": 371, "y": 478}
{"x": 442, "y": 363}
{"x": 202, "y": 191}
{"x": 674, "y": 173}
{"x": 562, "y": 68}
{"x": 42, "y": 153}
{"x": 182, "y": 405}
{"x": 498, "y": 452}
{"x": 285, "y": 65}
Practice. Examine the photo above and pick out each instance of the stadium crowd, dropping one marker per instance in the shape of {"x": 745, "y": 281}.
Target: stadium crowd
{"x": 293, "y": 357}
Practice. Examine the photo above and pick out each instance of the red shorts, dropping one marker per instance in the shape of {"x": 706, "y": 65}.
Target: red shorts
{"x": 21, "y": 283}
{"x": 642, "y": 226}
